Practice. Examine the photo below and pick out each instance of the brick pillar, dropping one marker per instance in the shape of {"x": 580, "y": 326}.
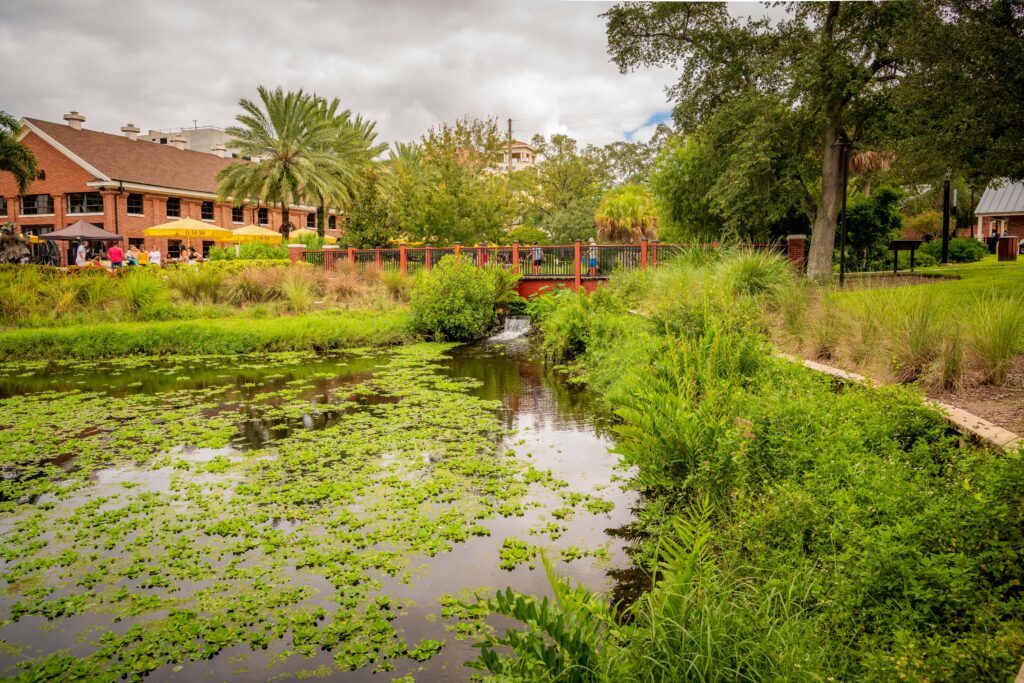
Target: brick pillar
{"x": 796, "y": 252}
{"x": 643, "y": 254}
{"x": 577, "y": 266}
{"x": 458, "y": 248}
{"x": 351, "y": 255}
{"x": 427, "y": 257}
{"x": 403, "y": 264}
{"x": 515, "y": 256}
{"x": 379, "y": 257}
{"x": 296, "y": 252}
{"x": 479, "y": 256}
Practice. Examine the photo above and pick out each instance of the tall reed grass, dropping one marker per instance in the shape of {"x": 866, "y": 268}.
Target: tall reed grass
{"x": 997, "y": 334}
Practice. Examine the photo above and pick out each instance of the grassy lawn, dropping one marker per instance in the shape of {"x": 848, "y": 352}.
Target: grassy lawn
{"x": 961, "y": 340}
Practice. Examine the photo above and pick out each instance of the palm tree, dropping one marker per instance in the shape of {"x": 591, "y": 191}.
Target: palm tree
{"x": 290, "y": 144}
{"x": 16, "y": 158}
{"x": 353, "y": 148}
{"x": 866, "y": 163}
{"x": 627, "y": 214}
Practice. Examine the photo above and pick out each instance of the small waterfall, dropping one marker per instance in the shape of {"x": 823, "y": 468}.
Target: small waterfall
{"x": 515, "y": 326}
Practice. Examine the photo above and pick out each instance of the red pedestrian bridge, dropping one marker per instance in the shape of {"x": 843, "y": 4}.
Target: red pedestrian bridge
{"x": 543, "y": 267}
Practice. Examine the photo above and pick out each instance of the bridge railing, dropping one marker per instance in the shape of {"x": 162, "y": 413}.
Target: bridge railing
{"x": 575, "y": 262}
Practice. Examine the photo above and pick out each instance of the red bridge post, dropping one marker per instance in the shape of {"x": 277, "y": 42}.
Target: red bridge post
{"x": 351, "y": 255}
{"x": 515, "y": 256}
{"x": 402, "y": 262}
{"x": 426, "y": 257}
{"x": 643, "y": 254}
{"x": 380, "y": 258}
{"x": 577, "y": 266}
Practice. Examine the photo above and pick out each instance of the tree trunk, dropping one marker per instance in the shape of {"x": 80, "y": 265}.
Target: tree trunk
{"x": 823, "y": 233}
{"x": 286, "y": 222}
{"x": 321, "y": 219}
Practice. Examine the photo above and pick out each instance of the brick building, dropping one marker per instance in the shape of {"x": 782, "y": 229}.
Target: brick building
{"x": 125, "y": 185}
{"x": 1001, "y": 210}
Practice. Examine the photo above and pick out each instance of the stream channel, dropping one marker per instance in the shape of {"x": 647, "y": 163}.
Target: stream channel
{"x": 291, "y": 516}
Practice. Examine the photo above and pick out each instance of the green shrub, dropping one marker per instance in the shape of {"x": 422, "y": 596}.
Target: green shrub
{"x": 961, "y": 250}
{"x": 455, "y": 300}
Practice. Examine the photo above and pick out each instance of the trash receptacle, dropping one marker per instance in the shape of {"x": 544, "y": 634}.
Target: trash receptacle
{"x": 1008, "y": 248}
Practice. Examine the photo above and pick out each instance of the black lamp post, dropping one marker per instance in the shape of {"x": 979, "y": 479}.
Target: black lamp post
{"x": 945, "y": 221}
{"x": 844, "y": 144}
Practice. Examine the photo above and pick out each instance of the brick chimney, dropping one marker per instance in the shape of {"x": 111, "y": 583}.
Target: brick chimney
{"x": 131, "y": 131}
{"x": 220, "y": 150}
{"x": 178, "y": 141}
{"x": 74, "y": 119}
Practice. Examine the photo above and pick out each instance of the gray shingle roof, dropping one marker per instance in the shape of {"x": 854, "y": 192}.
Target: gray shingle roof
{"x": 1002, "y": 199}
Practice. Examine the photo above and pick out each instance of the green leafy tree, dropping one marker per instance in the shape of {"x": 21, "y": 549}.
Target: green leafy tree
{"x": 369, "y": 224}
{"x": 560, "y": 194}
{"x": 291, "y": 143}
{"x": 16, "y": 158}
{"x": 627, "y": 214}
{"x": 825, "y": 72}
{"x": 958, "y": 107}
{"x": 443, "y": 191}
{"x": 871, "y": 223}
{"x": 681, "y": 182}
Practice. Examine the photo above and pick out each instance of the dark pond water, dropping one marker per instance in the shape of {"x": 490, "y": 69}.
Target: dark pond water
{"x": 263, "y": 402}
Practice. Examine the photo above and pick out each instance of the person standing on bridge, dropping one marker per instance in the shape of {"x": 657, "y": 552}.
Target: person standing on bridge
{"x": 592, "y": 257}
{"x": 537, "y": 257}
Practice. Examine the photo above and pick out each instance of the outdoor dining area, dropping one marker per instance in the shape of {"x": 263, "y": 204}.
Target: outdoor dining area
{"x": 188, "y": 230}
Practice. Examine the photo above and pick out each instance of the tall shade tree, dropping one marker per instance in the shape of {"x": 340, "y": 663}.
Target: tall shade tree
{"x": 627, "y": 214}
{"x": 830, "y": 68}
{"x": 16, "y": 158}
{"x": 966, "y": 74}
{"x": 291, "y": 143}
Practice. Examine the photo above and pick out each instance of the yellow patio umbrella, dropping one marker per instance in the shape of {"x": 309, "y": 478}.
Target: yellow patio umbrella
{"x": 306, "y": 232}
{"x": 255, "y": 233}
{"x": 187, "y": 228}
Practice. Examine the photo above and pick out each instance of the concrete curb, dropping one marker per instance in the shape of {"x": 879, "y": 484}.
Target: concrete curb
{"x": 959, "y": 418}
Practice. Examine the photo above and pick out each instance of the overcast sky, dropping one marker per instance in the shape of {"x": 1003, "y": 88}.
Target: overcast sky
{"x": 407, "y": 64}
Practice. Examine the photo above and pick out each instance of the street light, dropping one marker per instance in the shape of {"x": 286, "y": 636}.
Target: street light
{"x": 945, "y": 221}
{"x": 844, "y": 144}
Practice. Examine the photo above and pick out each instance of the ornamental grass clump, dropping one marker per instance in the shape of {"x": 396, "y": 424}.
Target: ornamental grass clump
{"x": 253, "y": 285}
{"x": 996, "y": 331}
{"x": 752, "y": 272}
{"x": 915, "y": 330}
{"x": 196, "y": 284}
{"x": 140, "y": 293}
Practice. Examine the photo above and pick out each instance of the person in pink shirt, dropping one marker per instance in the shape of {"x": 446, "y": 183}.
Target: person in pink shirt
{"x": 116, "y": 256}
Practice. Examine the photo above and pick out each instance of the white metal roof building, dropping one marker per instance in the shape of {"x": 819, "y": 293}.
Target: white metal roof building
{"x": 1000, "y": 208}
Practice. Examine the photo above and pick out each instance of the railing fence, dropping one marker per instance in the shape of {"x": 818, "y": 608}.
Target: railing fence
{"x": 579, "y": 261}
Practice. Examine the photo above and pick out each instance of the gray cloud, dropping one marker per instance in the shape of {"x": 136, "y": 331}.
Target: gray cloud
{"x": 406, "y": 64}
